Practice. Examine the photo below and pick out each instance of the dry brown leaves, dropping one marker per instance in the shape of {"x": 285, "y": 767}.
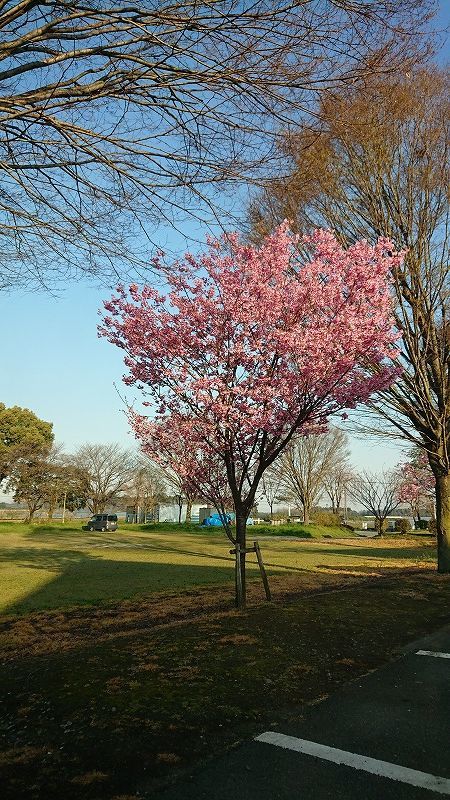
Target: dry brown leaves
{"x": 57, "y": 632}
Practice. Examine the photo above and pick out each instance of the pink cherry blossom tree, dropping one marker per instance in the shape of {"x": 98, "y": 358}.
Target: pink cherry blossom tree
{"x": 417, "y": 482}
{"x": 173, "y": 444}
{"x": 252, "y": 344}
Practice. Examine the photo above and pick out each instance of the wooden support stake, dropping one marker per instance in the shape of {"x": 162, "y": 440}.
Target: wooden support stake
{"x": 238, "y": 577}
{"x": 244, "y": 550}
{"x": 263, "y": 571}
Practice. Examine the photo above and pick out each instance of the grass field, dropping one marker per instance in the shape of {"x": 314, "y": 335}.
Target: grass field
{"x": 51, "y": 567}
{"x": 123, "y": 662}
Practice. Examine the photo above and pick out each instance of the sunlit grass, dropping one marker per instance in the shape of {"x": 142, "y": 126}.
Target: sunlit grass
{"x": 51, "y": 566}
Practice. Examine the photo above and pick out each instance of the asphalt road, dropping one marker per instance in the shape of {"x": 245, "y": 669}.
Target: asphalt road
{"x": 395, "y": 721}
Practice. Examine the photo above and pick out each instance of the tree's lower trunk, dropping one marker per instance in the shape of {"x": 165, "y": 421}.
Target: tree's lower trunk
{"x": 241, "y": 539}
{"x": 180, "y": 508}
{"x": 306, "y": 511}
{"x": 443, "y": 521}
{"x": 51, "y": 511}
{"x": 188, "y": 509}
{"x": 379, "y": 526}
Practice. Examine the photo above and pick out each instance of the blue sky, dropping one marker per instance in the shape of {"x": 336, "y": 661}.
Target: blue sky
{"x": 53, "y": 363}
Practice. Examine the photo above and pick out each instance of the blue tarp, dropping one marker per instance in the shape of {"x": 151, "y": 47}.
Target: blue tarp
{"x": 217, "y": 520}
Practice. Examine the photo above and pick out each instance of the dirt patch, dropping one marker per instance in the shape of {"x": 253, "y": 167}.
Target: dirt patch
{"x": 57, "y": 632}
{"x": 110, "y": 703}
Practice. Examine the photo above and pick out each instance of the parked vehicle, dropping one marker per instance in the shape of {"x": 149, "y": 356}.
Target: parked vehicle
{"x": 102, "y": 522}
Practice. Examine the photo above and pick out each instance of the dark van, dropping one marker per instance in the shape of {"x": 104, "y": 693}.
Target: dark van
{"x": 102, "y": 522}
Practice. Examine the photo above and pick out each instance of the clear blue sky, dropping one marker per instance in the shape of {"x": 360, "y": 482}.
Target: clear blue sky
{"x": 53, "y": 363}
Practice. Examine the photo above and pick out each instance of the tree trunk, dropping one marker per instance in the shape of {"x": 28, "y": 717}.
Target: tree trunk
{"x": 241, "y": 536}
{"x": 443, "y": 521}
{"x": 379, "y": 526}
{"x": 188, "y": 509}
{"x": 306, "y": 514}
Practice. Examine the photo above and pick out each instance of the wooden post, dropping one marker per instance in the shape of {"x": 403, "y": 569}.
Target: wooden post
{"x": 238, "y": 577}
{"x": 263, "y": 571}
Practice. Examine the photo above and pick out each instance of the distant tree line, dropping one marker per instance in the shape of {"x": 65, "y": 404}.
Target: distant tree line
{"x": 313, "y": 470}
{"x": 41, "y": 476}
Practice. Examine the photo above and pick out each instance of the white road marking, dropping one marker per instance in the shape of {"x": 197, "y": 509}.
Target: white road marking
{"x": 382, "y": 768}
{"x": 432, "y": 653}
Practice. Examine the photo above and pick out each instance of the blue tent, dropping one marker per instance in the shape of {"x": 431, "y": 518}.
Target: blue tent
{"x": 217, "y": 520}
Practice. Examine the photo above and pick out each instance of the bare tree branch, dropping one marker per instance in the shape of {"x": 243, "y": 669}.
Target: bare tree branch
{"x": 309, "y": 462}
{"x": 378, "y": 494}
{"x": 115, "y": 116}
{"x": 376, "y": 163}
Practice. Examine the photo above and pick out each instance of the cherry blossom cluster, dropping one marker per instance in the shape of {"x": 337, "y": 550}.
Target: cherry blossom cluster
{"x": 178, "y": 445}
{"x": 417, "y": 482}
{"x": 250, "y": 345}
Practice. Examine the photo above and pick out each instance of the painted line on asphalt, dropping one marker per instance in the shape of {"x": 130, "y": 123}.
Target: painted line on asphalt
{"x": 384, "y": 769}
{"x": 432, "y": 653}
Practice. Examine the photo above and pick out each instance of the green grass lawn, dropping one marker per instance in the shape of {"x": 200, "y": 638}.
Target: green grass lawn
{"x": 294, "y": 529}
{"x": 53, "y": 566}
{"x": 124, "y": 661}
{"x": 109, "y": 705}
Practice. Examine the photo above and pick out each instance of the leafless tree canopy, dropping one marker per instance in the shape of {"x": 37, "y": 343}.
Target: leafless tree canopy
{"x": 272, "y": 486}
{"x": 336, "y": 484}
{"x": 108, "y": 469}
{"x": 116, "y": 115}
{"x": 146, "y": 487}
{"x": 308, "y": 463}
{"x": 378, "y": 494}
{"x": 376, "y": 163}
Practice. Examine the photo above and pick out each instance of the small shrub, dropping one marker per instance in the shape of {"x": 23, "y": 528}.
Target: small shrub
{"x": 327, "y": 519}
{"x": 402, "y": 525}
{"x": 432, "y": 526}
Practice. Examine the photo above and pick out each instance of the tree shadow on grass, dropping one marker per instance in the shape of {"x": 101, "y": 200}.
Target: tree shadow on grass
{"x": 54, "y": 531}
{"x": 82, "y": 579}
